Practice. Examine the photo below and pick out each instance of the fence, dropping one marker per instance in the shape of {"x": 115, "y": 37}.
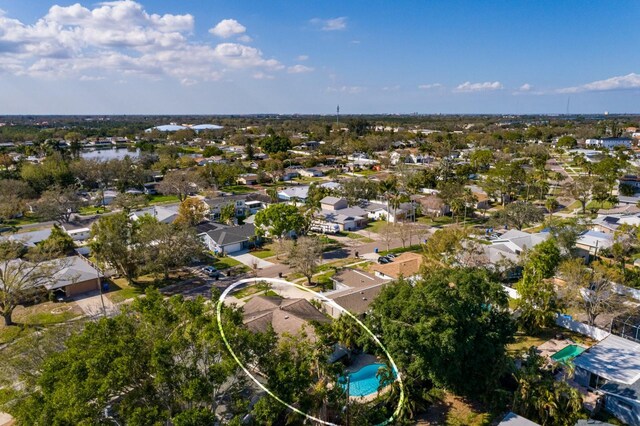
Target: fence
{"x": 593, "y": 332}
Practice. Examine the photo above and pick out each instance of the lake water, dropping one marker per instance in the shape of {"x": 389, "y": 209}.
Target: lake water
{"x": 109, "y": 154}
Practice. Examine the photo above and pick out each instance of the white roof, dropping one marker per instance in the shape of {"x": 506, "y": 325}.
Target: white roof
{"x": 595, "y": 238}
{"x": 614, "y": 358}
{"x": 294, "y": 192}
{"x": 512, "y": 419}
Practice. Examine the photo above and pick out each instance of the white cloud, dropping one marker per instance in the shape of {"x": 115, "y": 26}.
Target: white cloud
{"x": 245, "y": 39}
{"x": 352, "y": 90}
{"x": 298, "y": 69}
{"x": 429, "y": 86}
{"x": 302, "y": 58}
{"x": 467, "y": 87}
{"x": 525, "y": 87}
{"x": 121, "y": 38}
{"x": 91, "y": 78}
{"x": 624, "y": 82}
{"x": 334, "y": 24}
{"x": 262, "y": 76}
{"x": 228, "y": 28}
{"x": 391, "y": 88}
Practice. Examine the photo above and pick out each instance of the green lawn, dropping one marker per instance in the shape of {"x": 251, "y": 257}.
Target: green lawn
{"x": 92, "y": 210}
{"x": 596, "y": 205}
{"x": 524, "y": 341}
{"x": 571, "y": 207}
{"x": 225, "y": 262}
{"x": 156, "y": 199}
{"x": 366, "y": 172}
{"x": 24, "y": 220}
{"x": 398, "y": 250}
{"x": 238, "y": 189}
{"x": 122, "y": 291}
{"x": 263, "y": 254}
{"x": 376, "y": 226}
{"x": 48, "y": 318}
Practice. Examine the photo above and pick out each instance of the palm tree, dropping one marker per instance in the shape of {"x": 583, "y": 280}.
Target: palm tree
{"x": 551, "y": 204}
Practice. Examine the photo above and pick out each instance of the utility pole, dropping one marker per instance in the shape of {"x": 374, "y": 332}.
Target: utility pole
{"x": 338, "y": 115}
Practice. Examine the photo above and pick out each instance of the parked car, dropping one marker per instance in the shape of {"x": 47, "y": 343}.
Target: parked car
{"x": 391, "y": 255}
{"x": 383, "y": 260}
{"x": 211, "y": 271}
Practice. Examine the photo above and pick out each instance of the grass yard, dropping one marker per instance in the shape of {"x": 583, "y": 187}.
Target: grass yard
{"x": 238, "y": 189}
{"x": 263, "y": 254}
{"x": 122, "y": 291}
{"x": 451, "y": 410}
{"x": 524, "y": 341}
{"x": 46, "y": 313}
{"x": 398, "y": 250}
{"x": 92, "y": 210}
{"x": 376, "y": 226}
{"x": 571, "y": 207}
{"x": 599, "y": 205}
{"x": 225, "y": 262}
{"x": 158, "y": 199}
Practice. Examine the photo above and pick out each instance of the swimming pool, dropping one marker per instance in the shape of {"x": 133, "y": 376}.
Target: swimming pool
{"x": 568, "y": 353}
{"x": 364, "y": 381}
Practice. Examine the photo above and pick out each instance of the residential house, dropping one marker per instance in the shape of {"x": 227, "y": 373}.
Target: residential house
{"x": 164, "y": 214}
{"x": 248, "y": 179}
{"x": 230, "y": 239}
{"x": 311, "y": 173}
{"x": 334, "y": 210}
{"x": 512, "y": 419}
{"x": 243, "y": 209}
{"x": 29, "y": 239}
{"x": 609, "y": 223}
{"x": 294, "y": 194}
{"x": 78, "y": 230}
{"x": 73, "y": 275}
{"x": 612, "y": 368}
{"x": 482, "y": 198}
{"x": 284, "y": 316}
{"x": 432, "y": 205}
{"x": 589, "y": 243}
{"x": 407, "y": 266}
{"x": 354, "y": 291}
{"x": 609, "y": 142}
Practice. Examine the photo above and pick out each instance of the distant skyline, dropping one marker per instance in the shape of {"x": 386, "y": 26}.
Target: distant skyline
{"x": 276, "y": 56}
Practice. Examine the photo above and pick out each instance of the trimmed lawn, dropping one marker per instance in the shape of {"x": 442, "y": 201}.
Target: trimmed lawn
{"x": 398, "y": 250}
{"x": 156, "y": 199}
{"x": 92, "y": 210}
{"x": 225, "y": 262}
{"x": 238, "y": 189}
{"x": 263, "y": 254}
{"x": 596, "y": 205}
{"x": 122, "y": 291}
{"x": 571, "y": 207}
{"x": 376, "y": 226}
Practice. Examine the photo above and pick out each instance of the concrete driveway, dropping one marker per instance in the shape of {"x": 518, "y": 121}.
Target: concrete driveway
{"x": 250, "y": 260}
{"x": 91, "y": 304}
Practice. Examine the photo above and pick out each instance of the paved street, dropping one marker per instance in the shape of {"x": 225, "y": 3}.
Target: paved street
{"x": 250, "y": 260}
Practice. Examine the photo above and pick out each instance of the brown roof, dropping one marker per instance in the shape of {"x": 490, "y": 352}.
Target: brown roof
{"x": 357, "y": 301}
{"x": 285, "y": 315}
{"x": 407, "y": 265}
{"x": 357, "y": 279}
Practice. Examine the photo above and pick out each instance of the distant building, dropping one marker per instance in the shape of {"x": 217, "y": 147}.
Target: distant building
{"x": 609, "y": 142}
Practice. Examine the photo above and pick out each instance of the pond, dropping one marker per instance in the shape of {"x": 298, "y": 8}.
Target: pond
{"x": 109, "y": 154}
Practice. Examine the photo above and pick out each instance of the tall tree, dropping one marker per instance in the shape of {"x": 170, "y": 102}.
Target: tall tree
{"x": 305, "y": 256}
{"x": 58, "y": 204}
{"x": 181, "y": 183}
{"x": 191, "y": 212}
{"x": 450, "y": 329}
{"x": 519, "y": 215}
{"x": 580, "y": 189}
{"x": 115, "y": 240}
{"x": 279, "y": 220}
{"x": 160, "y": 362}
{"x": 165, "y": 246}
{"x": 591, "y": 291}
{"x": 542, "y": 398}
{"x": 22, "y": 275}
{"x": 538, "y": 302}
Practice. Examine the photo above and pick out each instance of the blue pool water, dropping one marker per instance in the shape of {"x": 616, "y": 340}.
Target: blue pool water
{"x": 364, "y": 381}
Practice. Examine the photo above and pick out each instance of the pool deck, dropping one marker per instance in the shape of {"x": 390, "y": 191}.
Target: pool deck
{"x": 550, "y": 347}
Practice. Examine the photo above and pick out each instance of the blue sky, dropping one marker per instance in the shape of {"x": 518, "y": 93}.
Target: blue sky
{"x": 225, "y": 57}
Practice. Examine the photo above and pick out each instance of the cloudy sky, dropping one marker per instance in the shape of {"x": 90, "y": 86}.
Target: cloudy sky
{"x": 283, "y": 56}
